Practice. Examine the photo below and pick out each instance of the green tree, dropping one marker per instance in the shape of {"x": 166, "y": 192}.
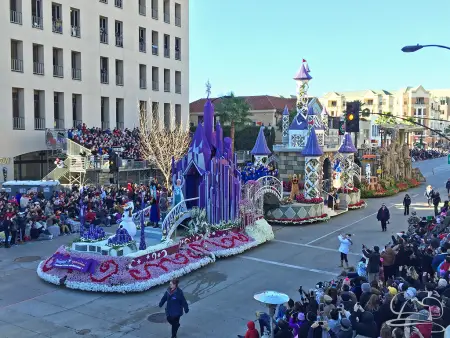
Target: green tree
{"x": 234, "y": 111}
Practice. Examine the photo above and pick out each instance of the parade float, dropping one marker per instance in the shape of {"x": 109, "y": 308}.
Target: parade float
{"x": 209, "y": 202}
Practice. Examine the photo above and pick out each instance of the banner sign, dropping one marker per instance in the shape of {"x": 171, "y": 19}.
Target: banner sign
{"x": 74, "y": 263}
{"x": 56, "y": 139}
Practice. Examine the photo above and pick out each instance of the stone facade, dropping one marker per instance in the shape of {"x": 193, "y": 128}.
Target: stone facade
{"x": 290, "y": 163}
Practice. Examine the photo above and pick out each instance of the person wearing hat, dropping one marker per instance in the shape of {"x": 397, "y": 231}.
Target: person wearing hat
{"x": 383, "y": 216}
{"x": 345, "y": 329}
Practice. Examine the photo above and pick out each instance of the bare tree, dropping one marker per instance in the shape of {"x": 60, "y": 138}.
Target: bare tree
{"x": 160, "y": 143}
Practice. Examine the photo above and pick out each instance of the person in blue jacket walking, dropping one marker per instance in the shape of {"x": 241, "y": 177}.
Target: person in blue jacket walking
{"x": 176, "y": 303}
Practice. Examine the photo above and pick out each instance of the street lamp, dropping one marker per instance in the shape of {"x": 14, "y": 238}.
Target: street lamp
{"x": 415, "y": 48}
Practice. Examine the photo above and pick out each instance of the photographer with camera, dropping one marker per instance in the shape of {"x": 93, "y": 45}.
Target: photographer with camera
{"x": 363, "y": 322}
{"x": 344, "y": 248}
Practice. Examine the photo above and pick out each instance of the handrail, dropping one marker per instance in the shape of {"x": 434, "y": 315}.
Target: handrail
{"x": 275, "y": 183}
{"x": 170, "y": 220}
{"x": 74, "y": 149}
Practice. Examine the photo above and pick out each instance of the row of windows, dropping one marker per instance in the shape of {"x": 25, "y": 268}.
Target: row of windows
{"x": 76, "y": 72}
{"x": 57, "y": 22}
{"x": 39, "y": 107}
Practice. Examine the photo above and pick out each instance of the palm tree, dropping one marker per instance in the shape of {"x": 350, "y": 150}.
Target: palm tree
{"x": 234, "y": 111}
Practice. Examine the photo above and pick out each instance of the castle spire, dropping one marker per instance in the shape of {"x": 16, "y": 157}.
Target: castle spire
{"x": 261, "y": 147}
{"x": 208, "y": 116}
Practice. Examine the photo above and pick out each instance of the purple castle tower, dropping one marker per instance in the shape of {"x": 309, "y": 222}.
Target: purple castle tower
{"x": 210, "y": 171}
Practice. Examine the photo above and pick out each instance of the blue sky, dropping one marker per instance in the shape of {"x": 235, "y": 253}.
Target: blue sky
{"x": 255, "y": 47}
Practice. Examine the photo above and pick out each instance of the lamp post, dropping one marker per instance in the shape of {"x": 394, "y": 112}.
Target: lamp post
{"x": 415, "y": 48}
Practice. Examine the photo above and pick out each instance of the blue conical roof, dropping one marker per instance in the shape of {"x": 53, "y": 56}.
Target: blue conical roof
{"x": 298, "y": 123}
{"x": 302, "y": 74}
{"x": 261, "y": 147}
{"x": 286, "y": 110}
{"x": 347, "y": 146}
{"x": 312, "y": 147}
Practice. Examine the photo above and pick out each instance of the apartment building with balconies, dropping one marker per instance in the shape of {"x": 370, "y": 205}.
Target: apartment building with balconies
{"x": 70, "y": 62}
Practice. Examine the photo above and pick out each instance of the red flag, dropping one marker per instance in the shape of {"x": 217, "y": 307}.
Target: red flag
{"x": 304, "y": 60}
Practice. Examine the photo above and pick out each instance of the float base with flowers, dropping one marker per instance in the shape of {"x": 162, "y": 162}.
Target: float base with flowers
{"x": 300, "y": 211}
{"x": 156, "y": 265}
{"x": 350, "y": 198}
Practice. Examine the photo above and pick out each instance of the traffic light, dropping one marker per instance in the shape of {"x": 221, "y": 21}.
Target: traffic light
{"x": 352, "y": 117}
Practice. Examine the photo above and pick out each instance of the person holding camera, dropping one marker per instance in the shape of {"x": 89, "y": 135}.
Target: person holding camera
{"x": 363, "y": 322}
{"x": 344, "y": 248}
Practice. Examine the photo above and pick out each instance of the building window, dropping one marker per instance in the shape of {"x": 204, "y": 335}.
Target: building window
{"x": 58, "y": 110}
{"x": 142, "y": 40}
{"x": 104, "y": 70}
{"x": 178, "y": 82}
{"x": 17, "y": 56}
{"x": 36, "y": 14}
{"x": 178, "y": 115}
{"x": 119, "y": 73}
{"x": 57, "y": 26}
{"x": 155, "y": 9}
{"x": 119, "y": 114}
{"x": 76, "y": 110}
{"x": 119, "y": 33}
{"x": 167, "y": 80}
{"x": 118, "y": 3}
{"x": 38, "y": 59}
{"x": 18, "y": 114}
{"x": 155, "y": 112}
{"x": 75, "y": 30}
{"x": 58, "y": 64}
{"x": 177, "y": 15}
{"x": 76, "y": 66}
{"x": 15, "y": 7}
{"x": 166, "y": 46}
{"x": 167, "y": 117}
{"x": 39, "y": 110}
{"x": 104, "y": 110}
{"x": 103, "y": 30}
{"x": 155, "y": 43}
{"x": 142, "y": 76}
{"x": 155, "y": 78}
{"x": 142, "y": 7}
{"x": 177, "y": 49}
{"x": 166, "y": 11}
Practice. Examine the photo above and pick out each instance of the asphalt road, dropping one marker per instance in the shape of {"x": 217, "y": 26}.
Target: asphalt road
{"x": 220, "y": 295}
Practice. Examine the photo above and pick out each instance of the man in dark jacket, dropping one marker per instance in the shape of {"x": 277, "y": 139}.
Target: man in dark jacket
{"x": 383, "y": 216}
{"x": 363, "y": 323}
{"x": 175, "y": 305}
{"x": 373, "y": 265}
{"x": 436, "y": 201}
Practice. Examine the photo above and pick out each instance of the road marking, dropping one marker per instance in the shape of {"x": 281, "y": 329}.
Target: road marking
{"x": 297, "y": 267}
{"x": 415, "y": 195}
{"x": 311, "y": 246}
{"x": 344, "y": 227}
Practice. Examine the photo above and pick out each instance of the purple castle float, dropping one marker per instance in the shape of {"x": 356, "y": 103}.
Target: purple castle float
{"x": 209, "y": 171}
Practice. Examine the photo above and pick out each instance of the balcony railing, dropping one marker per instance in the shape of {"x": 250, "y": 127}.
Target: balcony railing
{"x": 37, "y": 22}
{"x": 155, "y": 85}
{"x": 118, "y": 3}
{"x": 105, "y": 125}
{"x": 143, "y": 83}
{"x": 142, "y": 47}
{"x": 155, "y": 14}
{"x": 142, "y": 10}
{"x": 18, "y": 123}
{"x": 16, "y": 17}
{"x": 58, "y": 71}
{"x": 76, "y": 123}
{"x": 75, "y": 31}
{"x": 104, "y": 1}
{"x": 154, "y": 49}
{"x": 103, "y": 37}
{"x": 178, "y": 89}
{"x": 119, "y": 80}
{"x": 120, "y": 125}
{"x": 167, "y": 87}
{"x": 104, "y": 78}
{"x": 39, "y": 123}
{"x": 59, "y": 124}
{"x": 177, "y": 21}
{"x": 57, "y": 26}
{"x": 17, "y": 65}
{"x": 38, "y": 68}
{"x": 119, "y": 41}
{"x": 166, "y": 17}
{"x": 76, "y": 74}
{"x": 166, "y": 52}
{"x": 177, "y": 55}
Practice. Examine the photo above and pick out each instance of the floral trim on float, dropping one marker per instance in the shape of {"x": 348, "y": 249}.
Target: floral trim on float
{"x": 361, "y": 204}
{"x": 298, "y": 221}
{"x": 144, "y": 269}
{"x": 392, "y": 190}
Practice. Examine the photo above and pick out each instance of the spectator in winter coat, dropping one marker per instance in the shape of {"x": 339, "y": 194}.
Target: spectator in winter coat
{"x": 388, "y": 262}
{"x": 176, "y": 303}
{"x": 366, "y": 294}
{"x": 345, "y": 330}
{"x": 373, "y": 266}
{"x": 436, "y": 201}
{"x": 406, "y": 204}
{"x": 363, "y": 323}
{"x": 344, "y": 248}
{"x": 304, "y": 328}
{"x": 383, "y": 216}
{"x": 347, "y": 298}
{"x": 284, "y": 331}
{"x": 251, "y": 331}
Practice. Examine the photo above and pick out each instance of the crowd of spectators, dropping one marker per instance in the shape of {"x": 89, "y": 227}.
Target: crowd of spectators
{"x": 31, "y": 216}
{"x": 101, "y": 142}
{"x": 401, "y": 290}
{"x": 419, "y": 154}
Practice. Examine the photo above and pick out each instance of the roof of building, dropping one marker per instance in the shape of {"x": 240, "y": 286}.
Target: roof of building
{"x": 347, "y": 146}
{"x": 259, "y": 102}
{"x": 261, "y": 147}
{"x": 312, "y": 147}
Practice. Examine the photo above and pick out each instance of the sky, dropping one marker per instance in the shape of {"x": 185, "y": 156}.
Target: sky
{"x": 255, "y": 47}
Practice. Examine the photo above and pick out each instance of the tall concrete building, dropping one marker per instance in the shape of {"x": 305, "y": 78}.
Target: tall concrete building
{"x": 67, "y": 62}
{"x": 406, "y": 102}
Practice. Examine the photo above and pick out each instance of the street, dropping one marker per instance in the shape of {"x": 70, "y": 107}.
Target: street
{"x": 220, "y": 295}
